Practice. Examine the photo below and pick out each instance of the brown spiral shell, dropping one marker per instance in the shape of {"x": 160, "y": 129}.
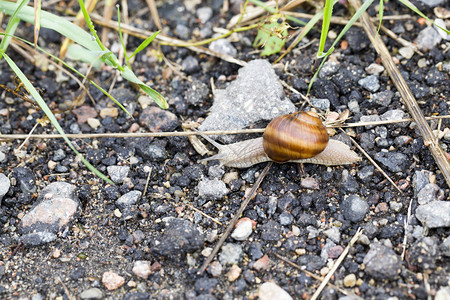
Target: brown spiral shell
{"x": 295, "y": 136}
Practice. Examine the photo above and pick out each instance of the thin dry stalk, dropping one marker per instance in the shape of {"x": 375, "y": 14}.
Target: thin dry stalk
{"x": 316, "y": 277}
{"x": 107, "y": 16}
{"x": 405, "y": 226}
{"x": 337, "y": 264}
{"x": 205, "y": 215}
{"x": 154, "y": 12}
{"x": 147, "y": 182}
{"x": 233, "y": 221}
{"x": 406, "y": 95}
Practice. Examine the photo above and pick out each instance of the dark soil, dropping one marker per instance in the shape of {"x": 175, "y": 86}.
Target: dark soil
{"x": 163, "y": 229}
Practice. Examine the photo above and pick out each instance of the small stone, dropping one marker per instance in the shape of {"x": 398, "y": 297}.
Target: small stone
{"x": 118, "y": 173}
{"x": 323, "y": 104}
{"x": 93, "y": 123}
{"x": 443, "y": 293}
{"x": 434, "y": 214}
{"x": 354, "y": 208}
{"x": 112, "y": 112}
{"x": 112, "y": 280}
{"x": 350, "y": 280}
{"x": 157, "y": 119}
{"x": 262, "y": 264}
{"x": 92, "y": 293}
{"x": 382, "y": 262}
{"x": 271, "y": 231}
{"x": 329, "y": 68}
{"x": 310, "y": 183}
{"x": 428, "y": 38}
{"x": 141, "y": 268}
{"x": 197, "y": 92}
{"x": 353, "y": 106}
{"x": 243, "y": 230}
{"x": 271, "y": 291}
{"x": 230, "y": 254}
{"x": 393, "y": 115}
{"x": 286, "y": 218}
{"x": 406, "y": 52}
{"x": 370, "y": 83}
{"x": 430, "y": 192}
{"x": 374, "y": 69}
{"x": 128, "y": 199}
{"x": 383, "y": 98}
{"x": 394, "y": 161}
{"x": 4, "y": 185}
{"x": 83, "y": 113}
{"x": 234, "y": 273}
{"x": 334, "y": 234}
{"x": 215, "y": 269}
{"x": 223, "y": 46}
{"x": 440, "y": 25}
{"x": 204, "y": 14}
{"x": 212, "y": 189}
{"x": 190, "y": 65}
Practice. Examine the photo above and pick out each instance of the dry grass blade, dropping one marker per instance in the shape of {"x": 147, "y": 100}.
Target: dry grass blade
{"x": 337, "y": 263}
{"x": 154, "y": 12}
{"x": 205, "y": 215}
{"x": 408, "y": 98}
{"x": 233, "y": 221}
{"x": 317, "y": 277}
{"x": 107, "y": 16}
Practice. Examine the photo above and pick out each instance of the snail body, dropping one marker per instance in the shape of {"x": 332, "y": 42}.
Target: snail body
{"x": 299, "y": 137}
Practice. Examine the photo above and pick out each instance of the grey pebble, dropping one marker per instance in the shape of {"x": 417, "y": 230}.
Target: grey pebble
{"x": 382, "y": 262}
{"x": 128, "y": 199}
{"x": 334, "y": 234}
{"x": 428, "y": 38}
{"x": 56, "y": 207}
{"x": 434, "y": 214}
{"x": 118, "y": 173}
{"x": 197, "y": 92}
{"x": 223, "y": 46}
{"x": 212, "y": 189}
{"x": 271, "y": 231}
{"x": 394, "y": 161}
{"x": 4, "y": 185}
{"x": 383, "y": 98}
{"x": 204, "y": 14}
{"x": 323, "y": 104}
{"x": 59, "y": 155}
{"x": 329, "y": 68}
{"x": 190, "y": 65}
{"x": 286, "y": 218}
{"x": 430, "y": 192}
{"x": 393, "y": 115}
{"x": 366, "y": 173}
{"x": 432, "y": 3}
{"x": 354, "y": 208}
{"x": 239, "y": 106}
{"x": 370, "y": 83}
{"x": 370, "y": 118}
{"x": 420, "y": 180}
{"x": 230, "y": 254}
{"x": 92, "y": 293}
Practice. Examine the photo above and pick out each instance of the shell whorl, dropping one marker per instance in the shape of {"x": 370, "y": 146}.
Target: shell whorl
{"x": 295, "y": 136}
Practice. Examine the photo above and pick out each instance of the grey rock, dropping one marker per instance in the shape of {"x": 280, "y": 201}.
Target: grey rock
{"x": 353, "y": 106}
{"x": 156, "y": 152}
{"x": 118, "y": 173}
{"x": 323, "y": 104}
{"x": 383, "y": 98}
{"x": 223, "y": 46}
{"x": 366, "y": 173}
{"x": 4, "y": 185}
{"x": 197, "y": 92}
{"x": 430, "y": 192}
{"x": 286, "y": 218}
{"x": 420, "y": 180}
{"x": 406, "y": 52}
{"x": 37, "y": 238}
{"x": 371, "y": 118}
{"x": 212, "y": 189}
{"x": 428, "y": 38}
{"x": 92, "y": 293}
{"x": 329, "y": 68}
{"x": 25, "y": 179}
{"x": 55, "y": 208}
{"x": 128, "y": 199}
{"x": 434, "y": 214}
{"x": 394, "y": 161}
{"x": 59, "y": 155}
{"x": 216, "y": 171}
{"x": 432, "y": 3}
{"x": 204, "y": 14}
{"x": 190, "y": 65}
{"x": 182, "y": 31}
{"x": 311, "y": 262}
{"x": 354, "y": 208}
{"x": 393, "y": 115}
{"x": 270, "y": 290}
{"x": 445, "y": 246}
{"x": 374, "y": 69}
{"x": 334, "y": 234}
{"x": 230, "y": 254}
{"x": 239, "y": 105}
{"x": 382, "y": 262}
{"x": 328, "y": 245}
{"x": 271, "y": 231}
{"x": 370, "y": 83}
{"x": 3, "y": 157}
{"x": 156, "y": 119}
{"x": 443, "y": 293}
{"x": 179, "y": 237}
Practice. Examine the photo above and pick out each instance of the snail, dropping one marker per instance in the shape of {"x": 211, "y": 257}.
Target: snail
{"x": 298, "y": 137}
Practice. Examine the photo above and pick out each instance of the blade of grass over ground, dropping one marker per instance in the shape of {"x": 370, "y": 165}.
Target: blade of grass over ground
{"x": 78, "y": 35}
{"x": 327, "y": 12}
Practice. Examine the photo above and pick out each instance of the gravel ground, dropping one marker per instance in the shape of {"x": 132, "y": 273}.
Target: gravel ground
{"x": 68, "y": 235}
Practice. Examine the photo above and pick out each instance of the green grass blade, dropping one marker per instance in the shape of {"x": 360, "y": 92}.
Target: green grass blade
{"x": 380, "y": 15}
{"x": 354, "y": 18}
{"x": 327, "y": 12}
{"x": 144, "y": 44}
{"x": 417, "y": 11}
{"x": 12, "y": 25}
{"x": 90, "y": 24}
{"x": 157, "y": 97}
{"x": 35, "y": 94}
